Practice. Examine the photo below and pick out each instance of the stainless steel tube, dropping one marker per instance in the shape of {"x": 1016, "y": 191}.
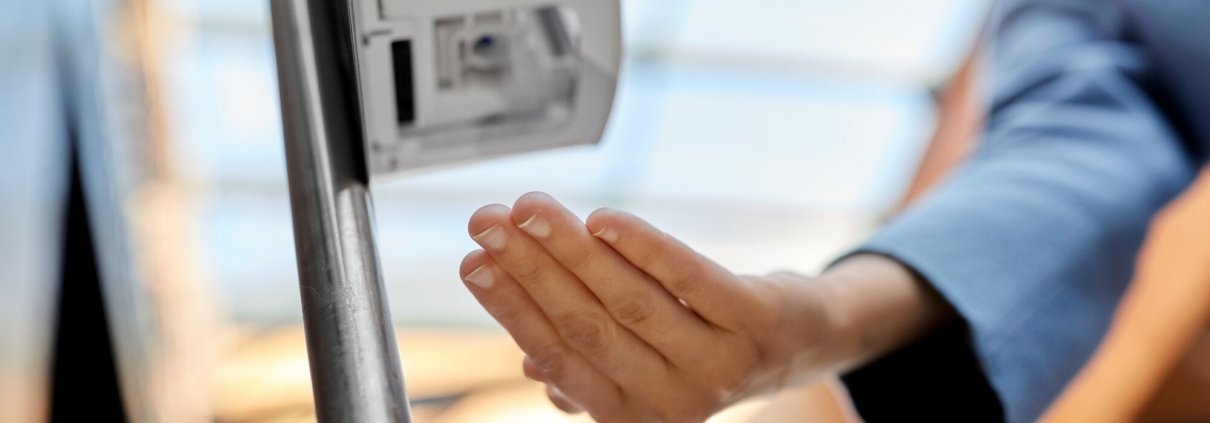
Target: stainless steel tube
{"x": 355, "y": 372}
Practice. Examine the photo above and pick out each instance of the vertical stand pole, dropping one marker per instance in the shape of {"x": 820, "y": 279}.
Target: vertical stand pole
{"x": 355, "y": 371}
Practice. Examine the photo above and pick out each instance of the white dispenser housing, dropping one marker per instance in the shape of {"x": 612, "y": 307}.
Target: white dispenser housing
{"x": 452, "y": 81}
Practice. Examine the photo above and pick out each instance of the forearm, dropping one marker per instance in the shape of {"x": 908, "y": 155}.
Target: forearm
{"x": 876, "y": 305}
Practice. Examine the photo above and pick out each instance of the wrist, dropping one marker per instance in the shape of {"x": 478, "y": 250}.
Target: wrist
{"x": 856, "y": 311}
{"x": 875, "y": 305}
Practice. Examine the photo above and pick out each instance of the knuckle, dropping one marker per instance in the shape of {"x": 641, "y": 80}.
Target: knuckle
{"x": 730, "y": 370}
{"x": 507, "y": 315}
{"x": 686, "y": 281}
{"x": 530, "y": 272}
{"x": 646, "y": 258}
{"x": 579, "y": 259}
{"x": 633, "y": 310}
{"x": 588, "y": 332}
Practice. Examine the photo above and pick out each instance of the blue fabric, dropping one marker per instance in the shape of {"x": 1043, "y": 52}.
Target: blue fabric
{"x": 1098, "y": 118}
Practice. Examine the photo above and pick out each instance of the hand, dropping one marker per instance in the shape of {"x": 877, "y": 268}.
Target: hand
{"x": 630, "y": 325}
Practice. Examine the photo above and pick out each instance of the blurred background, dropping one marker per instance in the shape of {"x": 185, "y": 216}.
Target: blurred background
{"x": 768, "y": 134}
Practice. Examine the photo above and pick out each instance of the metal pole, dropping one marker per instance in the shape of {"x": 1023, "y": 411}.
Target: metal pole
{"x": 355, "y": 370}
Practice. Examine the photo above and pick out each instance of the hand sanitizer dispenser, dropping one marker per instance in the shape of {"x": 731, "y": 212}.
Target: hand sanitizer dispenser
{"x": 453, "y": 81}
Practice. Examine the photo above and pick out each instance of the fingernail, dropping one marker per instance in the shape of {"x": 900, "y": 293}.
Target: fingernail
{"x": 608, "y": 234}
{"x": 493, "y": 238}
{"x": 482, "y": 277}
{"x": 536, "y": 226}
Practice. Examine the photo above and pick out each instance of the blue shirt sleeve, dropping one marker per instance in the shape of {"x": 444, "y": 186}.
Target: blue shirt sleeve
{"x": 1035, "y": 239}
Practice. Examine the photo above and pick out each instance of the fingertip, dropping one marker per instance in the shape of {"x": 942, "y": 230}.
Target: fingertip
{"x": 607, "y": 233}
{"x": 487, "y": 217}
{"x": 597, "y": 219}
{"x": 605, "y": 220}
{"x": 561, "y": 401}
{"x": 535, "y": 197}
{"x": 473, "y": 260}
{"x": 530, "y": 203}
{"x": 531, "y": 371}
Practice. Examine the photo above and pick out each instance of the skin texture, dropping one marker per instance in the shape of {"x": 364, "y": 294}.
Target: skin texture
{"x": 624, "y": 322}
